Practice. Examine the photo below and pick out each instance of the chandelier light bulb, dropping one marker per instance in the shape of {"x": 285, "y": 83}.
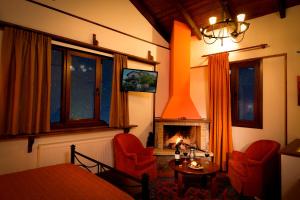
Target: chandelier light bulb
{"x": 212, "y": 20}
{"x": 241, "y": 17}
{"x": 226, "y": 32}
{"x": 243, "y": 27}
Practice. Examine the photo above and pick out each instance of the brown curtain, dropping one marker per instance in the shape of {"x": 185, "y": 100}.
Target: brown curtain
{"x": 220, "y": 108}
{"x": 25, "y": 77}
{"x": 119, "y": 114}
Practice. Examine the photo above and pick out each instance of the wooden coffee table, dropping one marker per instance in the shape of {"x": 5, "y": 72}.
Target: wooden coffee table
{"x": 182, "y": 171}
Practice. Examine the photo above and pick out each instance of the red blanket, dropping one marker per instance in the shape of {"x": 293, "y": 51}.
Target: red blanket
{"x": 61, "y": 182}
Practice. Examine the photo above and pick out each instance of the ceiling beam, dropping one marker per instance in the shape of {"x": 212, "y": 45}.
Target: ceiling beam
{"x": 188, "y": 19}
{"x": 227, "y": 9}
{"x": 282, "y": 8}
{"x": 144, "y": 10}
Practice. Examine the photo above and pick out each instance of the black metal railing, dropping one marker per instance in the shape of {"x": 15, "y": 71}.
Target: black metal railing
{"x": 108, "y": 173}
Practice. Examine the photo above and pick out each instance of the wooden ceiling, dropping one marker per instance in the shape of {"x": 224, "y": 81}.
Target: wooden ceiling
{"x": 195, "y": 13}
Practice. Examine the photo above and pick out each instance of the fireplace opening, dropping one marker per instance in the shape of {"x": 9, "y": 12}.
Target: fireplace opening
{"x": 189, "y": 136}
{"x": 189, "y": 129}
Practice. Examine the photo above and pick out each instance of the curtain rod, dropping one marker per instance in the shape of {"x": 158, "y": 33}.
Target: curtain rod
{"x": 80, "y": 44}
{"x": 95, "y": 23}
{"x": 260, "y": 46}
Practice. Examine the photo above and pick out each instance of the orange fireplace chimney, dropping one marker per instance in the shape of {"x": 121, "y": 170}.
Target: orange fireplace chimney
{"x": 180, "y": 104}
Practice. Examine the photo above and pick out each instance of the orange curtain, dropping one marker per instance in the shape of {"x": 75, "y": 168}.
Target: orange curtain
{"x": 25, "y": 78}
{"x": 119, "y": 114}
{"x": 219, "y": 108}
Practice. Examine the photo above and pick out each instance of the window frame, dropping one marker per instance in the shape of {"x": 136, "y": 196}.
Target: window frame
{"x": 258, "y": 92}
{"x": 66, "y": 122}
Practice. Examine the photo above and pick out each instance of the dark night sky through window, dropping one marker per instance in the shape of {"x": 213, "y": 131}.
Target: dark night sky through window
{"x": 82, "y": 80}
{"x": 56, "y": 85}
{"x": 246, "y": 93}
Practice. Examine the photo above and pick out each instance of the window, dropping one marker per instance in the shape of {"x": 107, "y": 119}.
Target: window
{"x": 80, "y": 88}
{"x": 246, "y": 94}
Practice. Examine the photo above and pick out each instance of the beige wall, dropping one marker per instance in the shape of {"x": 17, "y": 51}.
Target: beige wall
{"x": 282, "y": 36}
{"x": 141, "y": 109}
{"x": 118, "y": 14}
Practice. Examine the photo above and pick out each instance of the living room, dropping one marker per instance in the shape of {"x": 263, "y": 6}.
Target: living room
{"x": 126, "y": 30}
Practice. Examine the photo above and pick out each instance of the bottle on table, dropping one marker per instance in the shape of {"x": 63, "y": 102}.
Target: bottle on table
{"x": 177, "y": 156}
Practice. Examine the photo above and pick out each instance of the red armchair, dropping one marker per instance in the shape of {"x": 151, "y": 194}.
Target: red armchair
{"x": 256, "y": 172}
{"x": 132, "y": 158}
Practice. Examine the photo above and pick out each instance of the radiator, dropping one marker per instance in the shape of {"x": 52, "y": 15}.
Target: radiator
{"x": 59, "y": 152}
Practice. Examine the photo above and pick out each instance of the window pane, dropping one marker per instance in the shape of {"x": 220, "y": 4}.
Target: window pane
{"x": 246, "y": 93}
{"x": 83, "y": 75}
{"x": 107, "y": 70}
{"x": 56, "y": 84}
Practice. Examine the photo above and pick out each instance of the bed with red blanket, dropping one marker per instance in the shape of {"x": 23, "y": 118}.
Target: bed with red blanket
{"x": 62, "y": 181}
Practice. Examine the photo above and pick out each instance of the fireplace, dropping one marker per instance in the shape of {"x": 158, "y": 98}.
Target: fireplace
{"x": 180, "y": 117}
{"x": 192, "y": 132}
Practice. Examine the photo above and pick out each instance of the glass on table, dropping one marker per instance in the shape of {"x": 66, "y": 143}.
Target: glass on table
{"x": 206, "y": 154}
{"x": 185, "y": 153}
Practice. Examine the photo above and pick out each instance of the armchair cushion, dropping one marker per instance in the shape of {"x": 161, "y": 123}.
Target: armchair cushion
{"x": 147, "y": 151}
{"x": 144, "y": 162}
{"x": 239, "y": 167}
{"x": 236, "y": 155}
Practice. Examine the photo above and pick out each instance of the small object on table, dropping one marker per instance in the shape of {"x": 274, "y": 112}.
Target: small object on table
{"x": 185, "y": 153}
{"x": 192, "y": 153}
{"x": 177, "y": 155}
{"x": 206, "y": 154}
{"x": 195, "y": 165}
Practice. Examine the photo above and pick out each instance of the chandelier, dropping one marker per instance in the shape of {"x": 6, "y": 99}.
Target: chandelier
{"x": 228, "y": 28}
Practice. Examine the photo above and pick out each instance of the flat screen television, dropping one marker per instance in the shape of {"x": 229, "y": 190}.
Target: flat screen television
{"x": 138, "y": 80}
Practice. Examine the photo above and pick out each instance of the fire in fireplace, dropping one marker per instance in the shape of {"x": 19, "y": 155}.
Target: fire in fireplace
{"x": 192, "y": 131}
{"x": 187, "y": 134}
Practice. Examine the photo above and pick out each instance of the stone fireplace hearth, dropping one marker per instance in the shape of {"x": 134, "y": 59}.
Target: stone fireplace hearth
{"x": 194, "y": 131}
